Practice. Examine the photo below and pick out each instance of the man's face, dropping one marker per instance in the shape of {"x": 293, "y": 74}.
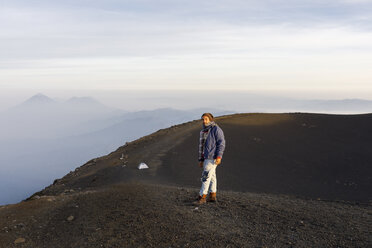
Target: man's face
{"x": 206, "y": 120}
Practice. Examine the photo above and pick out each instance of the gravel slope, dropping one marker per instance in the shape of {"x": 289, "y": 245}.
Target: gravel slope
{"x": 145, "y": 215}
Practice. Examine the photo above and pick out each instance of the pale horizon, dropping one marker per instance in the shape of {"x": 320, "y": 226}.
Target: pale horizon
{"x": 229, "y": 100}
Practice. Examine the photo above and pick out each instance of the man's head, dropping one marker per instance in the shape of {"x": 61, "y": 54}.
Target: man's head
{"x": 207, "y": 117}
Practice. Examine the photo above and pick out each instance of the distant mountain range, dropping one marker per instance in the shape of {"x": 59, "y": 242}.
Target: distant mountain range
{"x": 43, "y": 117}
{"x": 344, "y": 106}
{"x": 43, "y": 101}
{"x": 248, "y": 102}
{"x": 333, "y": 106}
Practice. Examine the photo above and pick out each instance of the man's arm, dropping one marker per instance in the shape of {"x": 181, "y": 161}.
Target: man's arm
{"x": 220, "y": 144}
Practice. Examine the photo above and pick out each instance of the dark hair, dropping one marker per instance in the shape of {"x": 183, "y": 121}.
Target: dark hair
{"x": 209, "y": 115}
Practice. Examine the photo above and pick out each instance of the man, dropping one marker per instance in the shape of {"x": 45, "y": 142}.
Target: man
{"x": 211, "y": 148}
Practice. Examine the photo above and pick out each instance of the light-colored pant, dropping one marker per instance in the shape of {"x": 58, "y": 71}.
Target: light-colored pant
{"x": 208, "y": 179}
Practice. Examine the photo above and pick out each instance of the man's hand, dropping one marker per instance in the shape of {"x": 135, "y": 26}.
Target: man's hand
{"x": 201, "y": 164}
{"x": 218, "y": 161}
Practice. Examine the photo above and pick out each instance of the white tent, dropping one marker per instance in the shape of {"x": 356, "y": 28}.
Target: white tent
{"x": 142, "y": 166}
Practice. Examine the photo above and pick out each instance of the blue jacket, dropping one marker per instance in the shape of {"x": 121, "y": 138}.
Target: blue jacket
{"x": 214, "y": 144}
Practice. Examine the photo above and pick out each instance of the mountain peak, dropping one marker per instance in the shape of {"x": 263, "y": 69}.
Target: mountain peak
{"x": 39, "y": 99}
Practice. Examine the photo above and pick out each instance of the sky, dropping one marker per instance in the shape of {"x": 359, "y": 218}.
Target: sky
{"x": 322, "y": 46}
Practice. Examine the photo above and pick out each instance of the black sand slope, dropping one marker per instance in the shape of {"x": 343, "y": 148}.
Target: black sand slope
{"x": 305, "y": 155}
{"x": 287, "y": 180}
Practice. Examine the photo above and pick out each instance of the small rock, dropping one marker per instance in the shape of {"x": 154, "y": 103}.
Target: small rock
{"x": 70, "y": 218}
{"x": 36, "y": 197}
{"x": 19, "y": 241}
{"x": 21, "y": 225}
{"x": 67, "y": 191}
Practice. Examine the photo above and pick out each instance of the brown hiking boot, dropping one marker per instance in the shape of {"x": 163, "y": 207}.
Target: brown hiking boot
{"x": 201, "y": 200}
{"x": 212, "y": 197}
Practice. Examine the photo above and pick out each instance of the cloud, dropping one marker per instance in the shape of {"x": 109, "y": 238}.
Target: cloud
{"x": 183, "y": 43}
